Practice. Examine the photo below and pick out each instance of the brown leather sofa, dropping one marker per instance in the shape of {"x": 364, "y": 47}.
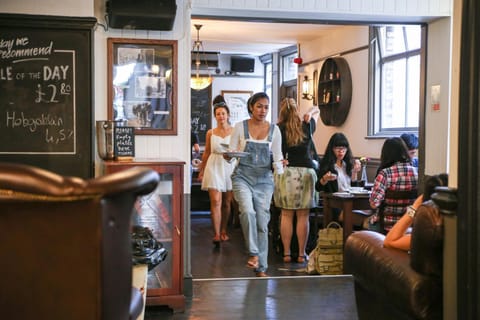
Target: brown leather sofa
{"x": 394, "y": 284}
{"x": 65, "y": 244}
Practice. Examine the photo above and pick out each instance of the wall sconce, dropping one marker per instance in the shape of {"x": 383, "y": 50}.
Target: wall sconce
{"x": 306, "y": 89}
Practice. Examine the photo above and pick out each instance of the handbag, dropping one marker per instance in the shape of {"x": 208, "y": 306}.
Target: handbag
{"x": 145, "y": 248}
{"x": 327, "y": 257}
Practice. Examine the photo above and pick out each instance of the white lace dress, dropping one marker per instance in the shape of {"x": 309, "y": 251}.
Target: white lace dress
{"x": 217, "y": 172}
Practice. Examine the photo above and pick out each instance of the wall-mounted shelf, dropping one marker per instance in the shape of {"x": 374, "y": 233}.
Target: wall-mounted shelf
{"x": 334, "y": 91}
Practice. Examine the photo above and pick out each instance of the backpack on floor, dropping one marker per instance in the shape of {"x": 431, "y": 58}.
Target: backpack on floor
{"x": 327, "y": 257}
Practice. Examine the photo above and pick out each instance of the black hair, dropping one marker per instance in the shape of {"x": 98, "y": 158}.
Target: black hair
{"x": 253, "y": 99}
{"x": 393, "y": 150}
{"x": 219, "y": 100}
{"x": 431, "y": 182}
{"x": 328, "y": 162}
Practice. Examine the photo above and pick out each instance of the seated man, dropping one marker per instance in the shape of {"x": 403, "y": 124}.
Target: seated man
{"x": 411, "y": 142}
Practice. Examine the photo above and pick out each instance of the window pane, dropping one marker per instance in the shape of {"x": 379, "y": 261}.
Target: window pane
{"x": 413, "y": 93}
{"x": 289, "y": 67}
{"x": 392, "y": 40}
{"x": 393, "y": 95}
{"x": 413, "y": 37}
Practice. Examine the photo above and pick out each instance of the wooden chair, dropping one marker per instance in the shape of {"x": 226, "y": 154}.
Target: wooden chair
{"x": 396, "y": 199}
{"x": 65, "y": 246}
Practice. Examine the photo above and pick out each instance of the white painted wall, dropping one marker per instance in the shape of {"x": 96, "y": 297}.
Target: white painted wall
{"x": 355, "y": 127}
{"x": 340, "y": 10}
{"x": 76, "y": 8}
{"x": 437, "y": 128}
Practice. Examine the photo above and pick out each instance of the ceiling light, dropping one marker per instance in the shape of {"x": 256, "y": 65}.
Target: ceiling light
{"x": 197, "y": 82}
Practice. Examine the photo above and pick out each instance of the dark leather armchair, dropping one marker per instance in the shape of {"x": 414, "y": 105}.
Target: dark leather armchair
{"x": 395, "y": 284}
{"x": 65, "y": 247}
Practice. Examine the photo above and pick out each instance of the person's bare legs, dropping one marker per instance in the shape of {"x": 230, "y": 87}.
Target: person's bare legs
{"x": 215, "y": 212}
{"x": 303, "y": 228}
{"x": 286, "y": 232}
{"x": 226, "y": 209}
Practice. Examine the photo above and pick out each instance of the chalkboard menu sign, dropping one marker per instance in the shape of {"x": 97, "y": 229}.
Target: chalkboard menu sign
{"x": 124, "y": 142}
{"x": 201, "y": 120}
{"x": 46, "y": 92}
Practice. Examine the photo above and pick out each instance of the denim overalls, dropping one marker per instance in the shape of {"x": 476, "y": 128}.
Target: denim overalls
{"x": 252, "y": 182}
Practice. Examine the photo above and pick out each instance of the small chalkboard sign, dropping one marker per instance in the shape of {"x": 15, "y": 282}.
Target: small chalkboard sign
{"x": 124, "y": 141}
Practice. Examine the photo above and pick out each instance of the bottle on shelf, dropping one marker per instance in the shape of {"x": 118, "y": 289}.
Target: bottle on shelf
{"x": 324, "y": 99}
{"x": 338, "y": 75}
{"x": 337, "y": 97}
{"x": 328, "y": 96}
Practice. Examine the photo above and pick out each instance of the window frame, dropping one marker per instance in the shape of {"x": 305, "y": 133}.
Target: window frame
{"x": 375, "y": 90}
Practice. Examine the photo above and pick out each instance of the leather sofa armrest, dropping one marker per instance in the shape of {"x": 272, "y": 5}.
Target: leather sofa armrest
{"x": 32, "y": 180}
{"x": 386, "y": 273}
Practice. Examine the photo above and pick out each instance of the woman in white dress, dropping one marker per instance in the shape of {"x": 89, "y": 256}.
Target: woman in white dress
{"x": 215, "y": 171}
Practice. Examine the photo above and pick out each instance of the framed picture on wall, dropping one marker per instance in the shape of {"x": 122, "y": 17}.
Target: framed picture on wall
{"x": 142, "y": 85}
{"x": 237, "y": 103}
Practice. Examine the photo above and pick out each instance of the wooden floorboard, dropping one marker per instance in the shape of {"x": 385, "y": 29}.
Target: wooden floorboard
{"x": 224, "y": 288}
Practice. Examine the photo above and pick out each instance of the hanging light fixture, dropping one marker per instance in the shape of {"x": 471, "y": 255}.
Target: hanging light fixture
{"x": 197, "y": 82}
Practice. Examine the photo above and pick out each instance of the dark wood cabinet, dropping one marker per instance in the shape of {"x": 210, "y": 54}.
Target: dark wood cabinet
{"x": 334, "y": 91}
{"x": 162, "y": 212}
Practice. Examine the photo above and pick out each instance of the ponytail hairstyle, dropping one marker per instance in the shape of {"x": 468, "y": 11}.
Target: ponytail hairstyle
{"x": 253, "y": 99}
{"x": 289, "y": 118}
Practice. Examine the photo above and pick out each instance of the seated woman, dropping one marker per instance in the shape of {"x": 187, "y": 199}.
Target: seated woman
{"x": 338, "y": 167}
{"x": 395, "y": 173}
{"x": 398, "y": 237}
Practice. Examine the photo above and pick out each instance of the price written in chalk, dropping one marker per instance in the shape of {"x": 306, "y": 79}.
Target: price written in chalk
{"x": 124, "y": 142}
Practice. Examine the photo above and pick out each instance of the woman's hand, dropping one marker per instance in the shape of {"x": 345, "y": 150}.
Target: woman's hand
{"x": 328, "y": 177}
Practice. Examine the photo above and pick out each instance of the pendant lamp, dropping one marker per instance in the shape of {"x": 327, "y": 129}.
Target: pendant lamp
{"x": 197, "y": 82}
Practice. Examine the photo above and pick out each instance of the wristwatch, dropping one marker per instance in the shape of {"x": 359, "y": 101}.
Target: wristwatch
{"x": 411, "y": 211}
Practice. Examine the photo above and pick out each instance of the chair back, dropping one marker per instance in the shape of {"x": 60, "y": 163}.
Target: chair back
{"x": 65, "y": 247}
{"x": 396, "y": 201}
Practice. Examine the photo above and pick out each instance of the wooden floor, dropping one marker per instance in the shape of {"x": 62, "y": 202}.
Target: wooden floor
{"x": 224, "y": 288}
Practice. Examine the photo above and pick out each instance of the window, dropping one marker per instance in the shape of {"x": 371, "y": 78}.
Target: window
{"x": 395, "y": 64}
{"x": 290, "y": 68}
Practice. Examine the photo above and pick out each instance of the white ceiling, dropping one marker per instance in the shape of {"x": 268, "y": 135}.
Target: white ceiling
{"x": 254, "y": 38}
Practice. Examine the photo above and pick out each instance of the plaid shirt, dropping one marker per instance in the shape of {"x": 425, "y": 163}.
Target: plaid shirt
{"x": 400, "y": 176}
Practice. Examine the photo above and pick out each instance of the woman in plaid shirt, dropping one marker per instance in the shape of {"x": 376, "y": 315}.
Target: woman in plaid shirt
{"x": 396, "y": 172}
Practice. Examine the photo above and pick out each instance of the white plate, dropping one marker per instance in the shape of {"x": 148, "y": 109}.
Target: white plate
{"x": 360, "y": 192}
{"x": 342, "y": 194}
{"x": 236, "y": 154}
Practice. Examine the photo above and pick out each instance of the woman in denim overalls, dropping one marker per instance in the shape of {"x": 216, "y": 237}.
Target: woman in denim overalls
{"x": 252, "y": 179}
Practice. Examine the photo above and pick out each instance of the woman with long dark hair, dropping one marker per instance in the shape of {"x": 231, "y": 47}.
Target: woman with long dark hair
{"x": 338, "y": 167}
{"x": 395, "y": 173}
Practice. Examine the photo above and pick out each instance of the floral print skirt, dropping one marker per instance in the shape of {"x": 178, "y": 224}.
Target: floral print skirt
{"x": 295, "y": 188}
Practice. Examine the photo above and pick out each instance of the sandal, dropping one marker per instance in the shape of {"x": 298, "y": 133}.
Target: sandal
{"x": 302, "y": 259}
{"x": 287, "y": 258}
{"x": 224, "y": 236}
{"x": 252, "y": 262}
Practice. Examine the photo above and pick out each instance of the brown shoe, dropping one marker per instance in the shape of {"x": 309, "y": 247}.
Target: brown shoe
{"x": 261, "y": 274}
